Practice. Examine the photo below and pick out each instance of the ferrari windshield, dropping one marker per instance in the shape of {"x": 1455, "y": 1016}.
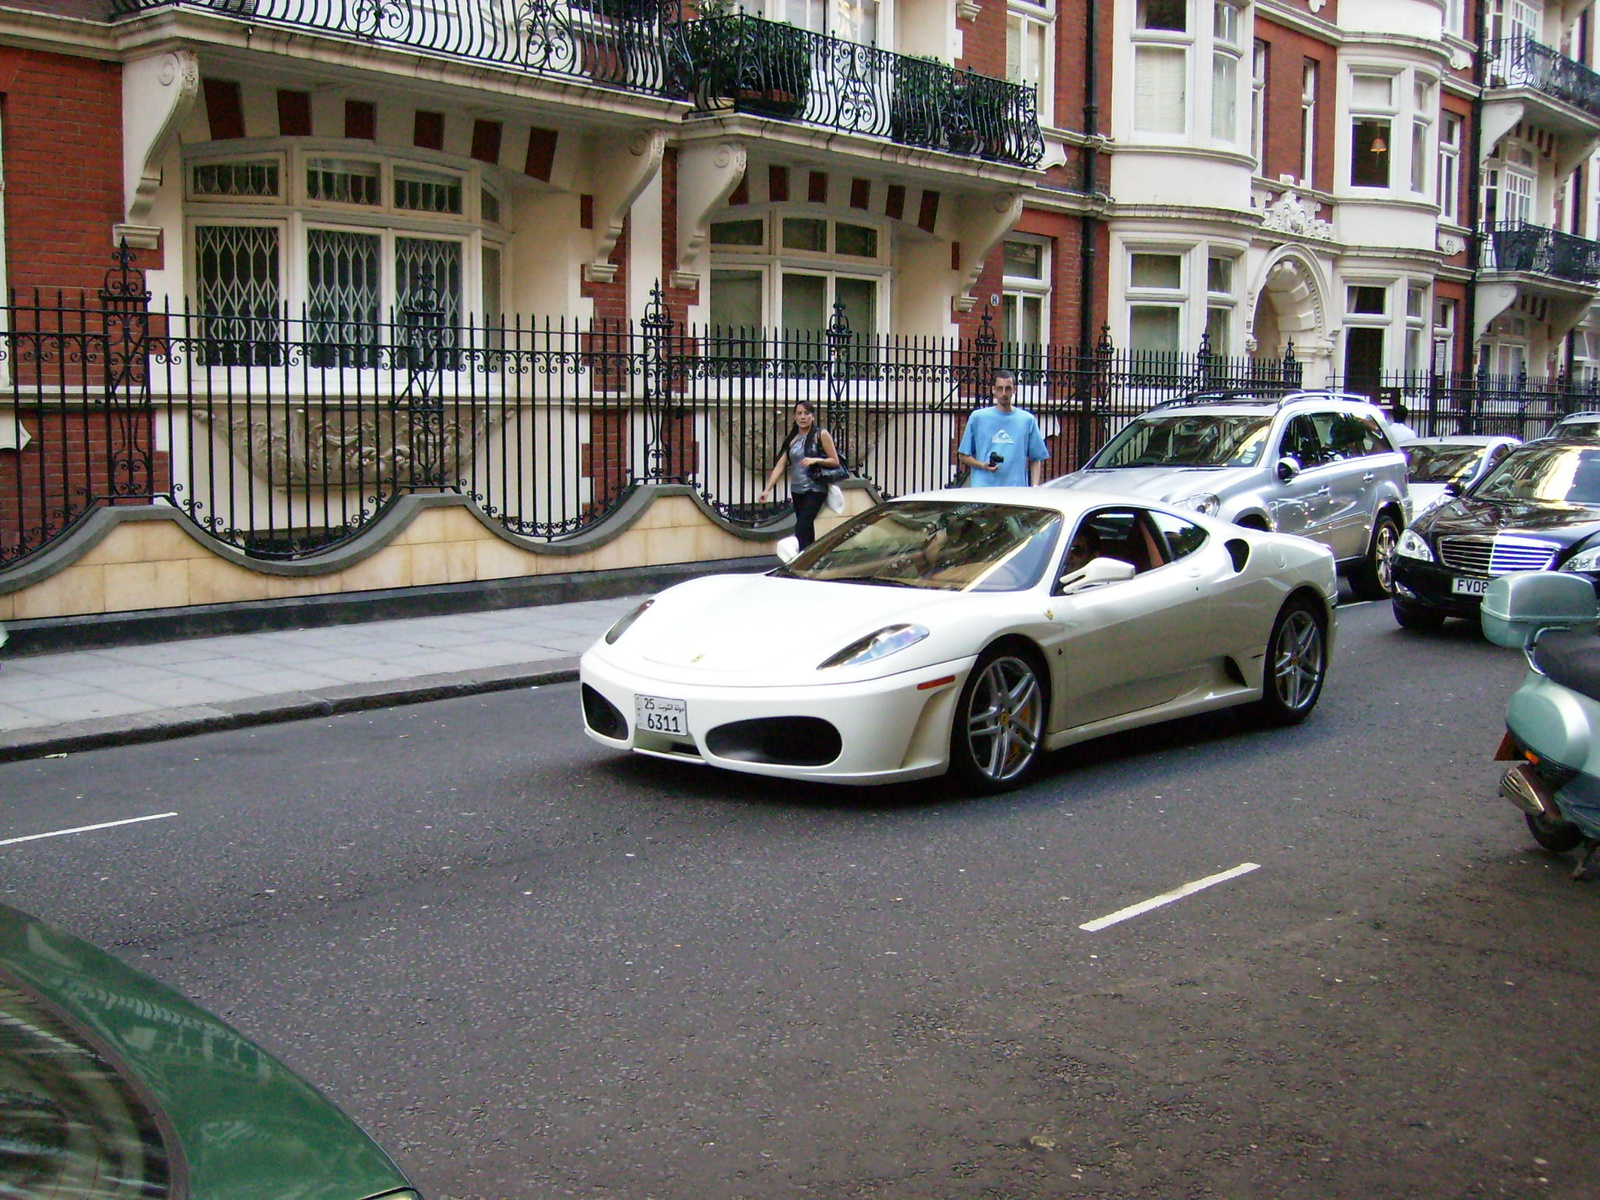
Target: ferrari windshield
{"x": 953, "y": 546}
{"x": 1188, "y": 439}
{"x": 1440, "y": 462}
{"x": 1551, "y": 474}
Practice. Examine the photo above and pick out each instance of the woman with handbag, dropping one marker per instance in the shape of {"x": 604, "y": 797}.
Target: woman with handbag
{"x": 807, "y": 449}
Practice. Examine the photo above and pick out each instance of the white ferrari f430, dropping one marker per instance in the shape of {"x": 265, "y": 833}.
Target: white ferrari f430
{"x": 967, "y": 631}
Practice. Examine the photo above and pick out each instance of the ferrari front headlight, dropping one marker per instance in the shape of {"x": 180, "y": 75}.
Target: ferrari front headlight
{"x": 1412, "y": 545}
{"x": 891, "y": 639}
{"x": 622, "y": 626}
{"x": 1584, "y": 560}
{"x": 1205, "y": 504}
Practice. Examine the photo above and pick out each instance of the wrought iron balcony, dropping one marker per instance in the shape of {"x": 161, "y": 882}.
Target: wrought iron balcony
{"x": 1519, "y": 246}
{"x": 631, "y": 45}
{"x": 774, "y": 70}
{"x": 1522, "y": 62}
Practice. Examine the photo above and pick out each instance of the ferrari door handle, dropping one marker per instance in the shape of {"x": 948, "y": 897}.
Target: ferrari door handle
{"x": 1369, "y": 477}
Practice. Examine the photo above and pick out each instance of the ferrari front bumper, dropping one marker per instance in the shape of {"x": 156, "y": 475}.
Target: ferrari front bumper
{"x": 882, "y": 730}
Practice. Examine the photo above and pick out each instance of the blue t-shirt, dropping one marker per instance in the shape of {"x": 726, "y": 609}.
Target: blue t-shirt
{"x": 1014, "y": 436}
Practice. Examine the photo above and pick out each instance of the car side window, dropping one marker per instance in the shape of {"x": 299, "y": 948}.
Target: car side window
{"x": 1179, "y": 537}
{"x": 1121, "y": 533}
{"x": 1301, "y": 441}
{"x": 1345, "y": 436}
{"x": 1376, "y": 441}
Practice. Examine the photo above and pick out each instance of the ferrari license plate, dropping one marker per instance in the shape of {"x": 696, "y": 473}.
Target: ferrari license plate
{"x": 661, "y": 714}
{"x": 1469, "y": 587}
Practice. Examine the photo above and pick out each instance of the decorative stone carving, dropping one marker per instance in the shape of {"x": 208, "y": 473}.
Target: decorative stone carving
{"x": 619, "y": 179}
{"x": 1450, "y": 244}
{"x": 707, "y": 176}
{"x": 157, "y": 93}
{"x": 1291, "y": 215}
{"x": 319, "y": 447}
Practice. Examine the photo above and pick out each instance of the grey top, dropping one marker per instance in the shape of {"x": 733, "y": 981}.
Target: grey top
{"x": 804, "y": 447}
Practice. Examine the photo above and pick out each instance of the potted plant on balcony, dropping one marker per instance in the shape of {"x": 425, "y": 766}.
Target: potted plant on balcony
{"x": 916, "y": 107}
{"x": 758, "y": 66}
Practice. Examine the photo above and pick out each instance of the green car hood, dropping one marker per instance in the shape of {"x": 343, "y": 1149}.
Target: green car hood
{"x": 245, "y": 1126}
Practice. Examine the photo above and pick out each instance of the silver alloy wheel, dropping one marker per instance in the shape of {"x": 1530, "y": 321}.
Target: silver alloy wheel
{"x": 1005, "y": 717}
{"x": 1299, "y": 660}
{"x": 1383, "y": 552}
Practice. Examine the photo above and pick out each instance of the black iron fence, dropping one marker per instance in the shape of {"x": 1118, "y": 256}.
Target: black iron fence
{"x": 285, "y": 435}
{"x": 628, "y": 44}
{"x": 1522, "y": 62}
{"x": 726, "y": 61}
{"x": 1509, "y": 405}
{"x": 1521, "y": 246}
{"x": 776, "y": 70}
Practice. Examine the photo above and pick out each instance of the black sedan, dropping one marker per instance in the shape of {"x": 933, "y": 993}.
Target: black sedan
{"x": 1538, "y": 510}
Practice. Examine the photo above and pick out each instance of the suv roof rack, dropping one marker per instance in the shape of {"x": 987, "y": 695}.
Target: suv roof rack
{"x": 1256, "y": 396}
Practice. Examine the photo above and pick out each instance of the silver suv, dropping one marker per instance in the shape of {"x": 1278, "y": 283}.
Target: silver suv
{"x": 1319, "y": 464}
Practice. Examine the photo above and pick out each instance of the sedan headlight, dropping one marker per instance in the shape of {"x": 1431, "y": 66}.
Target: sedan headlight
{"x": 1584, "y": 560}
{"x": 622, "y": 626}
{"x": 891, "y": 639}
{"x": 1412, "y": 545}
{"x": 1205, "y": 504}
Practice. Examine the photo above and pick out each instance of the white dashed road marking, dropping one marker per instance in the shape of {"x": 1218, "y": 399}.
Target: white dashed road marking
{"x": 1178, "y": 893}
{"x": 33, "y": 837}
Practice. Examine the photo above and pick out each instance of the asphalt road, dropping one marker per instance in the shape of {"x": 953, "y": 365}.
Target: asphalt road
{"x": 535, "y": 970}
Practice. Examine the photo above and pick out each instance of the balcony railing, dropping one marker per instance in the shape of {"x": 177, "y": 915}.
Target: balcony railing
{"x": 1522, "y": 62}
{"x": 774, "y": 70}
{"x": 1519, "y": 246}
{"x": 631, "y": 45}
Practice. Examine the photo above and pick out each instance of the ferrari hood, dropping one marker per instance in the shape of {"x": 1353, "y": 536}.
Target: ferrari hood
{"x": 739, "y": 623}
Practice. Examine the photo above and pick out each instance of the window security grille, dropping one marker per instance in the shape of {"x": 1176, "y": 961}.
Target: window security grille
{"x": 238, "y": 288}
{"x": 235, "y": 179}
{"x": 342, "y": 182}
{"x": 344, "y": 303}
{"x": 422, "y": 191}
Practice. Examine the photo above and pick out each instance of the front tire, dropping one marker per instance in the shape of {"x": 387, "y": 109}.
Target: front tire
{"x": 1374, "y": 580}
{"x": 1553, "y": 833}
{"x": 999, "y": 723}
{"x": 1296, "y": 664}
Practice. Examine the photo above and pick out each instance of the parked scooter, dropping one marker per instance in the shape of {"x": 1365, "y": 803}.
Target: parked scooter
{"x": 1553, "y": 720}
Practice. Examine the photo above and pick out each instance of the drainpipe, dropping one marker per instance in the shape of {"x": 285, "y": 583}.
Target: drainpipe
{"x": 1469, "y": 316}
{"x": 1088, "y": 225}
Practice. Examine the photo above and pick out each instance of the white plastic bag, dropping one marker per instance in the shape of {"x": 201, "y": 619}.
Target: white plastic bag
{"x": 835, "y": 500}
{"x": 787, "y": 548}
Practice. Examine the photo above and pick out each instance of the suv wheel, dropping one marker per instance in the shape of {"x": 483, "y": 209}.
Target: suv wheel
{"x": 1375, "y": 578}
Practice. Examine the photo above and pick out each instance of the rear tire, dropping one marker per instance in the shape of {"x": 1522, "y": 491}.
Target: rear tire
{"x": 1417, "y": 616}
{"x": 1553, "y": 833}
{"x": 1296, "y": 664}
{"x": 1374, "y": 580}
{"x": 998, "y": 730}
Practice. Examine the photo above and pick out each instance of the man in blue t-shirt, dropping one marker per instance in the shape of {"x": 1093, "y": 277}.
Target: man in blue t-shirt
{"x": 1002, "y": 444}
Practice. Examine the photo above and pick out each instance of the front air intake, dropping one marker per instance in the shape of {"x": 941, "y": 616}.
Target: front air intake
{"x": 780, "y": 741}
{"x": 602, "y": 716}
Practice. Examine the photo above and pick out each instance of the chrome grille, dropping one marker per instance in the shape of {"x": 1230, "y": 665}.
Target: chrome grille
{"x": 1495, "y": 556}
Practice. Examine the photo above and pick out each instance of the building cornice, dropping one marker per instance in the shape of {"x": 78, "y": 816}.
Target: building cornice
{"x": 63, "y": 35}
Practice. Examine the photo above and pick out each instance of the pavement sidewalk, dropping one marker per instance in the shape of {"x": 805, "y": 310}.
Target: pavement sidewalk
{"x": 56, "y": 703}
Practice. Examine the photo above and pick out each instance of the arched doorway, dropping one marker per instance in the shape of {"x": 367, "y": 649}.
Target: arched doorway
{"x": 1291, "y": 311}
